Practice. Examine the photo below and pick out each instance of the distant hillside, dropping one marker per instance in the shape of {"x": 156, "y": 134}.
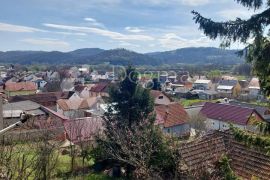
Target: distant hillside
{"x": 122, "y": 57}
{"x": 198, "y": 56}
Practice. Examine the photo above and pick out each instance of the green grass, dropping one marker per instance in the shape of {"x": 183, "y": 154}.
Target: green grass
{"x": 239, "y": 77}
{"x": 64, "y": 163}
{"x": 190, "y": 102}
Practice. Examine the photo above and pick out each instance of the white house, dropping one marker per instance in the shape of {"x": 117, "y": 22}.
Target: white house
{"x": 202, "y": 84}
{"x": 219, "y": 116}
{"x": 254, "y": 87}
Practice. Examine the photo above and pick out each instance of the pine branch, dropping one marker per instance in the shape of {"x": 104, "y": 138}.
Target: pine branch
{"x": 235, "y": 30}
{"x": 256, "y": 4}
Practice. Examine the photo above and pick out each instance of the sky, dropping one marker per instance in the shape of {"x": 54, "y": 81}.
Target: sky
{"x": 138, "y": 25}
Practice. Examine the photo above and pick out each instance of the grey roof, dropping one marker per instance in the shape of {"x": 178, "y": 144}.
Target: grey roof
{"x": 14, "y": 109}
{"x": 228, "y": 82}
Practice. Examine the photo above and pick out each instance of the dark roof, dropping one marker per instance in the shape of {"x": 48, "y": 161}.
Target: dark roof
{"x": 42, "y": 97}
{"x": 171, "y": 115}
{"x": 246, "y": 162}
{"x": 228, "y": 113}
{"x": 99, "y": 87}
{"x": 79, "y": 88}
{"x": 202, "y": 153}
{"x": 262, "y": 110}
{"x": 228, "y": 82}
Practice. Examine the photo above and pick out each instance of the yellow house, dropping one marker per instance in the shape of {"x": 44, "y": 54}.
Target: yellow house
{"x": 19, "y": 88}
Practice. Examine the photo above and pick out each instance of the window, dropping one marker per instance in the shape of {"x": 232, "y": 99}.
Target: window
{"x": 160, "y": 97}
{"x": 168, "y": 130}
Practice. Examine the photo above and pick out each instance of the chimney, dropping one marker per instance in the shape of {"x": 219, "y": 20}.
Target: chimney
{"x": 1, "y": 112}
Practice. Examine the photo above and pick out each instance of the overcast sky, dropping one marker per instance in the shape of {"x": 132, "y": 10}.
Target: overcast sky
{"x": 139, "y": 25}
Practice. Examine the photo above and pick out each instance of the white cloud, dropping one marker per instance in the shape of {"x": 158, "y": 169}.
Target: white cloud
{"x": 94, "y": 22}
{"x": 102, "y": 32}
{"x": 90, "y": 19}
{"x": 173, "y": 41}
{"x": 49, "y": 42}
{"x": 16, "y": 28}
{"x": 70, "y": 33}
{"x": 195, "y": 2}
{"x": 134, "y": 29}
{"x": 230, "y": 14}
{"x": 171, "y": 2}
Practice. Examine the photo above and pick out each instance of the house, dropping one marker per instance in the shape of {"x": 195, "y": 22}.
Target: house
{"x": 163, "y": 78}
{"x": 12, "y": 112}
{"x": 254, "y": 87}
{"x": 220, "y": 116}
{"x": 67, "y": 84}
{"x": 159, "y": 97}
{"x": 262, "y": 110}
{"x": 172, "y": 79}
{"x": 52, "y": 76}
{"x": 47, "y": 99}
{"x": 40, "y": 83}
{"x": 100, "y": 89}
{"x": 203, "y": 154}
{"x": 229, "y": 88}
{"x": 82, "y": 90}
{"x": 76, "y": 107}
{"x": 202, "y": 84}
{"x": 208, "y": 95}
{"x": 19, "y": 88}
{"x": 172, "y": 119}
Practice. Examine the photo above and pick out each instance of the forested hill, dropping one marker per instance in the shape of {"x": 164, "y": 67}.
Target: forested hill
{"x": 123, "y": 57}
{"x": 200, "y": 55}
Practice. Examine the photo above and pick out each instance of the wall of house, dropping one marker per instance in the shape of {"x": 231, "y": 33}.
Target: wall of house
{"x": 253, "y": 92}
{"x": 162, "y": 100}
{"x": 179, "y": 130}
{"x": 85, "y": 93}
{"x": 204, "y": 85}
{"x": 213, "y": 124}
{"x": 18, "y": 93}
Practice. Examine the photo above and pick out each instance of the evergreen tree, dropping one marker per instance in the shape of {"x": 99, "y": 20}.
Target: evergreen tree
{"x": 130, "y": 103}
{"x": 239, "y": 30}
{"x": 156, "y": 84}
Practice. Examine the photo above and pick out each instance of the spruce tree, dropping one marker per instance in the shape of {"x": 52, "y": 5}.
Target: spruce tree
{"x": 258, "y": 52}
{"x": 130, "y": 104}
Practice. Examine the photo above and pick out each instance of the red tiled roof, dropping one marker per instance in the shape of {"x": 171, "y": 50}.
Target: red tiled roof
{"x": 170, "y": 115}
{"x": 202, "y": 153}
{"x": 228, "y": 113}
{"x": 100, "y": 87}
{"x": 26, "y": 86}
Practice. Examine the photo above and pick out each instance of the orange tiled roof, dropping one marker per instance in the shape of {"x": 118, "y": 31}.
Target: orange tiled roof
{"x": 20, "y": 86}
{"x": 80, "y": 103}
{"x": 171, "y": 115}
